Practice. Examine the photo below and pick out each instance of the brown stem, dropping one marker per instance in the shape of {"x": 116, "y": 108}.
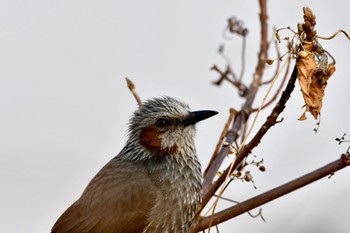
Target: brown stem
{"x": 233, "y": 112}
{"x": 278, "y": 90}
{"x": 271, "y": 120}
{"x": 132, "y": 88}
{"x": 243, "y": 115}
{"x": 277, "y": 66}
{"x": 275, "y": 193}
{"x": 225, "y": 76}
{"x": 231, "y": 136}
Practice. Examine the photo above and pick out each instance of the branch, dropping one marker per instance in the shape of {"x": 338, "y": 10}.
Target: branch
{"x": 275, "y": 193}
{"x": 210, "y": 187}
{"x": 271, "y": 120}
{"x": 243, "y": 90}
{"x": 277, "y": 66}
{"x": 222, "y": 137}
{"x": 132, "y": 88}
{"x": 243, "y": 115}
{"x": 278, "y": 90}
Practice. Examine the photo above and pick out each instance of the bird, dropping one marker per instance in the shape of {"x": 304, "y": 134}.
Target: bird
{"x": 153, "y": 185}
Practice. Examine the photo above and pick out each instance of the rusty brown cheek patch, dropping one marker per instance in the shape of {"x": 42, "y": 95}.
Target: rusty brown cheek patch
{"x": 150, "y": 138}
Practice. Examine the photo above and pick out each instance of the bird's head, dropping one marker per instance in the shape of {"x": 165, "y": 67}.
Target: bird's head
{"x": 165, "y": 125}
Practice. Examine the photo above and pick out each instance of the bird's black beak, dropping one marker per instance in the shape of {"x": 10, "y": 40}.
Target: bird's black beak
{"x": 194, "y": 117}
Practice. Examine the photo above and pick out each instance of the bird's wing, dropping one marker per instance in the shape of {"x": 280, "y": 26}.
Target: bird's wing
{"x": 118, "y": 199}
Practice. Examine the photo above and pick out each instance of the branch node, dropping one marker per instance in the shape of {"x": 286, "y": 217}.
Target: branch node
{"x": 279, "y": 121}
{"x": 345, "y": 158}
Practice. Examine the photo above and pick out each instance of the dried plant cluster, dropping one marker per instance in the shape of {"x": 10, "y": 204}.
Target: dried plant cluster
{"x": 313, "y": 67}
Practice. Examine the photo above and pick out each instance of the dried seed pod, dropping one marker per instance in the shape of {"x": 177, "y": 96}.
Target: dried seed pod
{"x": 248, "y": 177}
{"x": 270, "y": 61}
{"x": 303, "y": 54}
{"x": 262, "y": 168}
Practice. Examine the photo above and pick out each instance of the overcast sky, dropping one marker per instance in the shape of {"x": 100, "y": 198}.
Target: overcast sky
{"x": 64, "y": 105}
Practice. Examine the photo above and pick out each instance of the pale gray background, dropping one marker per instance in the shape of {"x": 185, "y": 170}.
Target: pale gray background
{"x": 64, "y": 104}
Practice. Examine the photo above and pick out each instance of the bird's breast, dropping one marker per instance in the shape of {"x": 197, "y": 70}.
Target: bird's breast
{"x": 179, "y": 183}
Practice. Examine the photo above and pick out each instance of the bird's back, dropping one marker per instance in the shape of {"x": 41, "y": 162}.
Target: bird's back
{"x": 113, "y": 202}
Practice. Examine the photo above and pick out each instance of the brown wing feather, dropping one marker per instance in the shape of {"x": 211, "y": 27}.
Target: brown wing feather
{"x": 117, "y": 199}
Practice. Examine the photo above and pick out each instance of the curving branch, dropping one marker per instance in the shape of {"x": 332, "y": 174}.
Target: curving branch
{"x": 275, "y": 193}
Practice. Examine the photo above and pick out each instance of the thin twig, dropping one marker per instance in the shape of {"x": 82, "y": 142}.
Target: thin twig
{"x": 226, "y": 199}
{"x": 132, "y": 88}
{"x": 248, "y": 212}
{"x": 277, "y": 66}
{"x": 243, "y": 134}
{"x": 257, "y": 215}
{"x": 225, "y": 76}
{"x": 279, "y": 88}
{"x": 244, "y": 42}
{"x": 335, "y": 34}
{"x": 222, "y": 136}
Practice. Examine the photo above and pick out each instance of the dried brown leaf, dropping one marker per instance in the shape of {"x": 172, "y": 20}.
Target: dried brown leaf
{"x": 313, "y": 67}
{"x": 317, "y": 89}
{"x": 306, "y": 68}
{"x": 313, "y": 79}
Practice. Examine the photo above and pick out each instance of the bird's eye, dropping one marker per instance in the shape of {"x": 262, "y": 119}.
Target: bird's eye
{"x": 162, "y": 122}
